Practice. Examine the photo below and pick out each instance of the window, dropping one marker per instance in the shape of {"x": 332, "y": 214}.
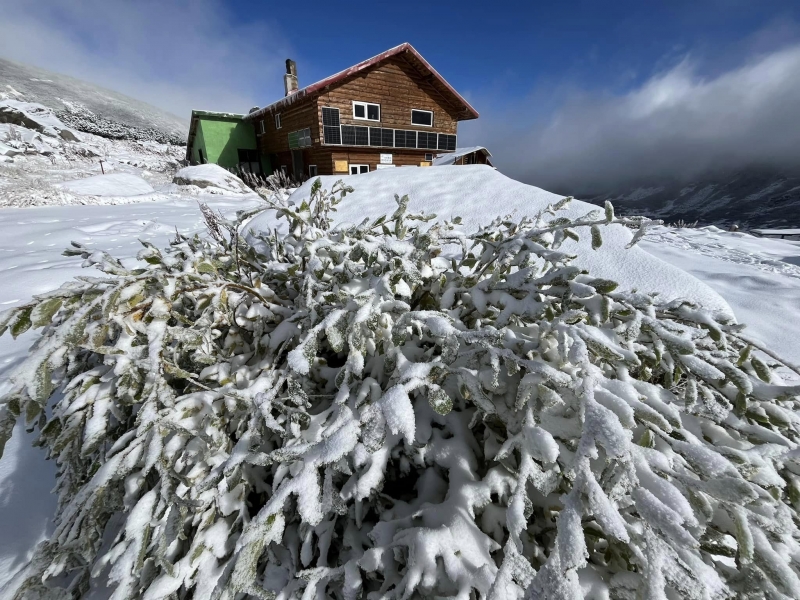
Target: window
{"x": 358, "y": 169}
{"x": 447, "y": 142}
{"x": 428, "y": 157}
{"x": 300, "y": 139}
{"x": 331, "y": 132}
{"x": 261, "y": 126}
{"x": 422, "y": 117}
{"x": 366, "y": 111}
{"x": 312, "y": 170}
{"x": 249, "y": 162}
{"x": 278, "y": 121}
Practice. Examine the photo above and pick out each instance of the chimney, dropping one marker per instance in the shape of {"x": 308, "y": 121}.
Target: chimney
{"x": 290, "y": 79}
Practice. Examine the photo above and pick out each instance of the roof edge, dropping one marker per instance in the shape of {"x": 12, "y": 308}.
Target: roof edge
{"x": 341, "y": 75}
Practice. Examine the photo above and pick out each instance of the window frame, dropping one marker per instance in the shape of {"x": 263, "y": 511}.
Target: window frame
{"x": 316, "y": 171}
{"x": 422, "y": 110}
{"x": 366, "y": 106}
{"x": 261, "y": 127}
{"x": 278, "y": 123}
{"x": 358, "y": 166}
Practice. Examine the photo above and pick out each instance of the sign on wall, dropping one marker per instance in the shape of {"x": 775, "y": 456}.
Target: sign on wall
{"x": 340, "y": 166}
{"x": 386, "y": 159}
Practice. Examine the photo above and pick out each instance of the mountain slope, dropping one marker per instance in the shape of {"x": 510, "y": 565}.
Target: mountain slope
{"x": 88, "y": 107}
{"x": 750, "y": 198}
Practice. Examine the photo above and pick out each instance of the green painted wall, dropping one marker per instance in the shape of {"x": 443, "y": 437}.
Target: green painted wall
{"x": 221, "y": 140}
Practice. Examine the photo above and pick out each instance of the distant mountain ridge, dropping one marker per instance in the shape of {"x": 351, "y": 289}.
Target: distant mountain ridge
{"x": 88, "y": 107}
{"x": 748, "y": 198}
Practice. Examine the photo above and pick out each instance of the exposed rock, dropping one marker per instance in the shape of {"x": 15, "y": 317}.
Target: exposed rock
{"x": 37, "y": 117}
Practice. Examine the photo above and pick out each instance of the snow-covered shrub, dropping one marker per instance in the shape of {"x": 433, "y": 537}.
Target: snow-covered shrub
{"x": 364, "y": 413}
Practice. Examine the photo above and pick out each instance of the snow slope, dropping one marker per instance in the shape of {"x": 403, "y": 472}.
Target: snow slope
{"x": 40, "y": 165}
{"x": 90, "y": 108}
{"x": 759, "y": 278}
{"x": 478, "y": 193}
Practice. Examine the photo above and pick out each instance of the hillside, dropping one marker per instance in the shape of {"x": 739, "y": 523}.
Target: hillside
{"x": 90, "y": 108}
{"x": 750, "y": 199}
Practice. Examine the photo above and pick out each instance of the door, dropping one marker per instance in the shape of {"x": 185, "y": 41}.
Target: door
{"x": 358, "y": 169}
{"x": 298, "y": 166}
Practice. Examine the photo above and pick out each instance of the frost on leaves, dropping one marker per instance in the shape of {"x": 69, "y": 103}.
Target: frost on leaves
{"x": 346, "y": 413}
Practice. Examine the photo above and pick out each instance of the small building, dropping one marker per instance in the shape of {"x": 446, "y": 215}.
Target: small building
{"x": 392, "y": 110}
{"x": 225, "y": 139}
{"x": 476, "y": 155}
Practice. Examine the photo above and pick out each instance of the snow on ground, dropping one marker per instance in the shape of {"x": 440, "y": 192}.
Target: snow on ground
{"x": 759, "y": 279}
{"x": 36, "y": 160}
{"x": 113, "y": 184}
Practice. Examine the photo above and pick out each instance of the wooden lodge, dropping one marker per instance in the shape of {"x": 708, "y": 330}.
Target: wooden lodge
{"x": 392, "y": 110}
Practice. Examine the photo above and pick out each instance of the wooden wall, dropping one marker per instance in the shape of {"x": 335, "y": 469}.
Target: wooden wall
{"x": 394, "y": 84}
{"x": 397, "y": 87}
{"x": 275, "y": 142}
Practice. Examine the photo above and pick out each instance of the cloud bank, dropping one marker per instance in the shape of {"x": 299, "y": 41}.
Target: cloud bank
{"x": 177, "y": 55}
{"x": 676, "y": 125}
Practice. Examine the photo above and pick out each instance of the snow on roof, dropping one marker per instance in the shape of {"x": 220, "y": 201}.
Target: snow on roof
{"x": 781, "y": 232}
{"x": 370, "y": 62}
{"x": 216, "y": 114}
{"x": 478, "y": 193}
{"x": 450, "y": 157}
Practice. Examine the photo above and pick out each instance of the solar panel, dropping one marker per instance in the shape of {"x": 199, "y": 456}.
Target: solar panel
{"x": 330, "y": 116}
{"x": 447, "y": 142}
{"x": 332, "y": 135}
{"x": 361, "y": 136}
{"x": 348, "y": 135}
{"x": 426, "y": 140}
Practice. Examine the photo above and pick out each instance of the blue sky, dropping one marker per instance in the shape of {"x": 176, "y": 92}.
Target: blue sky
{"x": 515, "y": 47}
{"x": 561, "y": 86}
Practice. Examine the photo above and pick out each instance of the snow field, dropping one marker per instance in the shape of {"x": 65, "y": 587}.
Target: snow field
{"x": 758, "y": 280}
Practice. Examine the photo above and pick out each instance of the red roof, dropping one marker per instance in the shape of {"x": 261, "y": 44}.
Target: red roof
{"x": 307, "y": 91}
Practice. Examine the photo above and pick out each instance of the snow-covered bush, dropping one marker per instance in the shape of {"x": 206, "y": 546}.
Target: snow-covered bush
{"x": 401, "y": 410}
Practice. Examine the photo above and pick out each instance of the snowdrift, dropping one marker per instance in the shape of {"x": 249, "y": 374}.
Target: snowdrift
{"x": 478, "y": 193}
{"x": 211, "y": 176}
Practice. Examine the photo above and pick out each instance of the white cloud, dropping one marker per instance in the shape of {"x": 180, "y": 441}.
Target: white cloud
{"x": 678, "y": 124}
{"x": 177, "y": 55}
